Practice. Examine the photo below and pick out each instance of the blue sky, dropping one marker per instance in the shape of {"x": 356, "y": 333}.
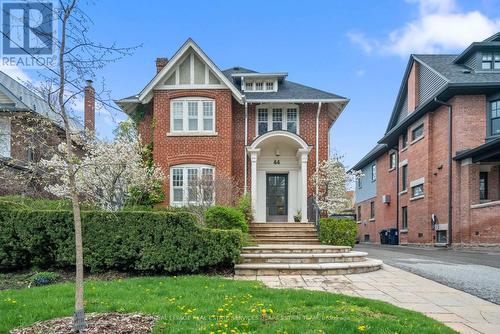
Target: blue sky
{"x": 357, "y": 49}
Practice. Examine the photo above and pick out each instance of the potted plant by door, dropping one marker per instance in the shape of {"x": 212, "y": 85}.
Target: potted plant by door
{"x": 297, "y": 217}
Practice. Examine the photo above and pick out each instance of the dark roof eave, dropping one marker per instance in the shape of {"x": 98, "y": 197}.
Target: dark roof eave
{"x": 372, "y": 155}
{"x": 478, "y": 150}
{"x": 443, "y": 94}
{"x": 473, "y": 47}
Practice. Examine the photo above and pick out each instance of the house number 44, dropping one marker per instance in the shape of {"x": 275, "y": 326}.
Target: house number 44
{"x": 276, "y": 162}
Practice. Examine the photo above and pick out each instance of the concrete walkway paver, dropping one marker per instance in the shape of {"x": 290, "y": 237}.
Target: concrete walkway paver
{"x": 459, "y": 310}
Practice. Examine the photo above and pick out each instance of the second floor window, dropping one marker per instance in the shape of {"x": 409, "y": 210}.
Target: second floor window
{"x": 196, "y": 115}
{"x": 374, "y": 172}
{"x": 392, "y": 160}
{"x": 372, "y": 210}
{"x": 404, "y": 178}
{"x": 495, "y": 118}
{"x": 417, "y": 190}
{"x": 417, "y": 132}
{"x": 405, "y": 139}
{"x": 272, "y": 119}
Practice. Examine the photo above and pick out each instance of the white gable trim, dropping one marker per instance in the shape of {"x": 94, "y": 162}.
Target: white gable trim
{"x": 146, "y": 94}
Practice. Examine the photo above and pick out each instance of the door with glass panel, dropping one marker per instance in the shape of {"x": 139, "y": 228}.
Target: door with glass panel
{"x": 277, "y": 197}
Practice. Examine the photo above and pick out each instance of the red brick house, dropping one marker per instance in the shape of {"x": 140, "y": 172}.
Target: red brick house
{"x": 435, "y": 176}
{"x": 23, "y": 112}
{"x": 261, "y": 131}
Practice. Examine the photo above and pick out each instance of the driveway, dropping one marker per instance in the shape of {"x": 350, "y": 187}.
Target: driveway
{"x": 475, "y": 272}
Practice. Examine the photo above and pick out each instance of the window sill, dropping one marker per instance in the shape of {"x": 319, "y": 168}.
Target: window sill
{"x": 403, "y": 192}
{"x": 371, "y": 219}
{"x": 417, "y": 198}
{"x": 485, "y": 205}
{"x": 403, "y": 231}
{"x": 417, "y": 140}
{"x": 192, "y": 134}
{"x": 391, "y": 169}
{"x": 359, "y": 222}
{"x": 404, "y": 148}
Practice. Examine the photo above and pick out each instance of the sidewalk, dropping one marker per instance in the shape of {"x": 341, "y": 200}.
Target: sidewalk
{"x": 459, "y": 310}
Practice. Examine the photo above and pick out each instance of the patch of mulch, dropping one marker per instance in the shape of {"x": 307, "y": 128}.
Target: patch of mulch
{"x": 97, "y": 323}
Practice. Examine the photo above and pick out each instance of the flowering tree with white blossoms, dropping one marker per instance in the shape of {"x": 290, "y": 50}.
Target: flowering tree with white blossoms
{"x": 332, "y": 180}
{"x": 107, "y": 173}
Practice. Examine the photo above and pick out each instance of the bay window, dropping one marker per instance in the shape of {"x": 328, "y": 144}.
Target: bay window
{"x": 192, "y": 115}
{"x": 191, "y": 185}
{"x": 280, "y": 117}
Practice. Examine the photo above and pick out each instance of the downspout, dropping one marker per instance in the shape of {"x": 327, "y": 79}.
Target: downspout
{"x": 245, "y": 159}
{"x": 397, "y": 192}
{"x": 316, "y": 191}
{"x": 450, "y": 176}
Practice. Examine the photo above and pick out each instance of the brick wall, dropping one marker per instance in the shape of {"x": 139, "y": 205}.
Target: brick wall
{"x": 367, "y": 226}
{"x": 175, "y": 150}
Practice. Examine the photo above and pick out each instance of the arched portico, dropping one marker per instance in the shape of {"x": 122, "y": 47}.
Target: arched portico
{"x": 279, "y": 176}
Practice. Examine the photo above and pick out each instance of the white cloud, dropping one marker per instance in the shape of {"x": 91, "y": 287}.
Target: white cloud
{"x": 439, "y": 27}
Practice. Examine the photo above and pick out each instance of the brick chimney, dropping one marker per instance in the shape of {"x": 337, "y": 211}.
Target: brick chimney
{"x": 160, "y": 64}
{"x": 89, "y": 107}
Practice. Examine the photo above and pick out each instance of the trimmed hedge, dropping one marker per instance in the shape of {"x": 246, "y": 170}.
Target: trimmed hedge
{"x": 225, "y": 217}
{"x": 160, "y": 242}
{"x": 338, "y": 231}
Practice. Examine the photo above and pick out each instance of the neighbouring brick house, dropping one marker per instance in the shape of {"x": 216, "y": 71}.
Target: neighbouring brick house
{"x": 22, "y": 109}
{"x": 446, "y": 117}
{"x": 259, "y": 130}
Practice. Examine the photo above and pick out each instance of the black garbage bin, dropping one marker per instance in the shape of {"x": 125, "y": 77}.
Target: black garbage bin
{"x": 393, "y": 236}
{"x": 384, "y": 237}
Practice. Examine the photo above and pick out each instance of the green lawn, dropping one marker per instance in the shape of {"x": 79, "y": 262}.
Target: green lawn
{"x": 198, "y": 304}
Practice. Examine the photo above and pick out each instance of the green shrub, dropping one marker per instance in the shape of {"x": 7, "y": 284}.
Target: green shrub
{"x": 245, "y": 206}
{"x": 44, "y": 278}
{"x": 162, "y": 242}
{"x": 30, "y": 203}
{"x": 225, "y": 217}
{"x": 338, "y": 232}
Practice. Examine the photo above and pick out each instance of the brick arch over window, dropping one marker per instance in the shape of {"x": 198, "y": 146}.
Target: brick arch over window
{"x": 211, "y": 94}
{"x": 193, "y": 159}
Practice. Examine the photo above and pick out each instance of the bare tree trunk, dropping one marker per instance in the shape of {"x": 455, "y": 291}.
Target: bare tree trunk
{"x": 79, "y": 317}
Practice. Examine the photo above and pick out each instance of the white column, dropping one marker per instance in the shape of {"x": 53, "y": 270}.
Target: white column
{"x": 303, "y": 153}
{"x": 253, "y": 158}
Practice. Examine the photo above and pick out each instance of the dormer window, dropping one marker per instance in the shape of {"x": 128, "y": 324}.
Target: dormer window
{"x": 490, "y": 61}
{"x": 260, "y": 86}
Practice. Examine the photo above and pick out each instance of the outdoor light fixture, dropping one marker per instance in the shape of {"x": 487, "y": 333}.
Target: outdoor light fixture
{"x": 277, "y": 152}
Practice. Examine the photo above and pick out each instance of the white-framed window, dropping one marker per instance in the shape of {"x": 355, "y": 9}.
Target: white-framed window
{"x": 191, "y": 185}
{"x": 192, "y": 115}
{"x": 249, "y": 86}
{"x": 374, "y": 172}
{"x": 259, "y": 85}
{"x": 277, "y": 117}
{"x": 269, "y": 85}
{"x": 5, "y": 137}
{"x": 417, "y": 188}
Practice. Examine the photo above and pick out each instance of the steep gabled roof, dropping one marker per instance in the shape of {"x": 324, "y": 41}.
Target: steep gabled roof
{"x": 146, "y": 94}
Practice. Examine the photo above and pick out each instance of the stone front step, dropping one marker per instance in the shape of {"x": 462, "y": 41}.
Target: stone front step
{"x": 285, "y": 234}
{"x": 342, "y": 268}
{"x": 294, "y": 248}
{"x": 303, "y": 257}
{"x": 282, "y": 229}
{"x": 287, "y": 240}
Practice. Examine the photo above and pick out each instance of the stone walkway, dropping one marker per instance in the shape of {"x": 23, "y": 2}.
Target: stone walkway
{"x": 459, "y": 310}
